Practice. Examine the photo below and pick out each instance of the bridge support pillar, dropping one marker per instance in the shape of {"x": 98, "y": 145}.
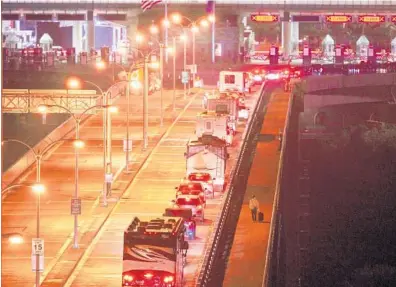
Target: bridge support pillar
{"x": 90, "y": 31}
{"x": 295, "y": 35}
{"x": 77, "y": 36}
{"x": 286, "y": 38}
{"x": 132, "y": 29}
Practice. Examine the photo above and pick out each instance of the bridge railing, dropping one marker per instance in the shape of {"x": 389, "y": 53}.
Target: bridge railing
{"x": 272, "y": 265}
{"x": 214, "y": 264}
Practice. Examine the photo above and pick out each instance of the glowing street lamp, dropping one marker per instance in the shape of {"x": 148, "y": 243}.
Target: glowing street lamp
{"x": 101, "y": 65}
{"x": 204, "y": 23}
{"x": 38, "y": 188}
{"x": 78, "y": 144}
{"x": 154, "y": 29}
{"x": 211, "y": 18}
{"x": 15, "y": 239}
{"x": 176, "y": 18}
{"x": 139, "y": 38}
{"x": 42, "y": 109}
{"x": 73, "y": 83}
{"x": 166, "y": 23}
{"x": 112, "y": 109}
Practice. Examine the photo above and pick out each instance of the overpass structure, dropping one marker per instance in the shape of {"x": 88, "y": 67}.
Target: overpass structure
{"x": 128, "y": 14}
{"x": 371, "y": 6}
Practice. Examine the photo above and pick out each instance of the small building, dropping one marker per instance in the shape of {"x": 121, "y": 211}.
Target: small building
{"x": 393, "y": 47}
{"x": 362, "y": 45}
{"x": 13, "y": 41}
{"x": 46, "y": 42}
{"x": 328, "y": 44}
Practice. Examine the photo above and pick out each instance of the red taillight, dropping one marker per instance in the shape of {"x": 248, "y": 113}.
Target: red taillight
{"x": 148, "y": 275}
{"x": 168, "y": 279}
{"x": 128, "y": 278}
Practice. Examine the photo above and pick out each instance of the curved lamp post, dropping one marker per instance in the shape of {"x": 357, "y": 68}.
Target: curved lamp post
{"x": 43, "y": 109}
{"x": 38, "y": 188}
{"x": 75, "y": 83}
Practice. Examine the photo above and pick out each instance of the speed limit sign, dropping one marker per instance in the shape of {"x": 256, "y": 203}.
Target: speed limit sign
{"x": 37, "y": 246}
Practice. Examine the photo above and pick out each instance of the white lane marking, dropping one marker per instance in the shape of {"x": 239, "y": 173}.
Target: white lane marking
{"x": 101, "y": 230}
{"x": 58, "y": 255}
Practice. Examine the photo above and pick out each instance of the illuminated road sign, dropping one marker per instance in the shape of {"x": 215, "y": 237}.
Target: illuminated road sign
{"x": 339, "y": 18}
{"x": 371, "y": 19}
{"x": 393, "y": 18}
{"x": 264, "y": 18}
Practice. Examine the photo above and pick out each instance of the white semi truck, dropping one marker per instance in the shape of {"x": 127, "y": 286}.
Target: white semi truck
{"x": 218, "y": 125}
{"x": 208, "y": 154}
{"x": 154, "y": 253}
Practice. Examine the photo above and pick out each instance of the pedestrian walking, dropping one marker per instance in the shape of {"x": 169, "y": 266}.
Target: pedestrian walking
{"x": 254, "y": 207}
{"x": 280, "y": 138}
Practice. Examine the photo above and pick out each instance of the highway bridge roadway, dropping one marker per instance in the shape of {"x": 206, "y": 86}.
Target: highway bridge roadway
{"x": 155, "y": 173}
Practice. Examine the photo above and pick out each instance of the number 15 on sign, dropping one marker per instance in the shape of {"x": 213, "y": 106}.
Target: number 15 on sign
{"x": 37, "y": 246}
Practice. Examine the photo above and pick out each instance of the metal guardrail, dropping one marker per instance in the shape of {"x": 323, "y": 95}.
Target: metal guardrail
{"x": 272, "y": 257}
{"x": 210, "y": 268}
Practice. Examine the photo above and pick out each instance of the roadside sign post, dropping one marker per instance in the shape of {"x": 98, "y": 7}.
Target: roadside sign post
{"x": 185, "y": 77}
{"x": 37, "y": 250}
{"x": 75, "y": 206}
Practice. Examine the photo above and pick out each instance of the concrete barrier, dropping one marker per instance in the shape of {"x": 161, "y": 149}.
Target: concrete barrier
{"x": 314, "y": 84}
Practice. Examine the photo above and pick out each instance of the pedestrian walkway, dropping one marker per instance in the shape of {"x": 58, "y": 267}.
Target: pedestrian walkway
{"x": 57, "y": 172}
{"x": 247, "y": 258}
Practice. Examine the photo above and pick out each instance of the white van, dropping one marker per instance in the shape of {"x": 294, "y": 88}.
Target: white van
{"x": 235, "y": 81}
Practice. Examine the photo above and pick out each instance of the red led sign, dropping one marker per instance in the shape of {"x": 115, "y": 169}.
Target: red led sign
{"x": 393, "y": 18}
{"x": 371, "y": 19}
{"x": 338, "y": 18}
{"x": 264, "y": 18}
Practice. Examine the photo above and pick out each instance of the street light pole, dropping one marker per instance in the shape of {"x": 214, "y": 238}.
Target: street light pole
{"x": 185, "y": 61}
{"x": 145, "y": 103}
{"x": 104, "y": 97}
{"x": 38, "y": 178}
{"x": 193, "y": 47}
{"x": 108, "y": 146}
{"x": 162, "y": 81}
{"x": 174, "y": 73}
{"x": 76, "y": 178}
{"x": 128, "y": 91}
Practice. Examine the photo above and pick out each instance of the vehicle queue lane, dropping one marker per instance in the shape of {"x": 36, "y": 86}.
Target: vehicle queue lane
{"x": 148, "y": 196}
{"x": 57, "y": 174}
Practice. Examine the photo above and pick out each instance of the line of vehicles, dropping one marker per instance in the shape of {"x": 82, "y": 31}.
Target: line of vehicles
{"x": 155, "y": 250}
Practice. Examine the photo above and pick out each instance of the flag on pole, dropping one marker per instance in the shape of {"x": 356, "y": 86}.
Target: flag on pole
{"x": 210, "y": 7}
{"x": 148, "y": 4}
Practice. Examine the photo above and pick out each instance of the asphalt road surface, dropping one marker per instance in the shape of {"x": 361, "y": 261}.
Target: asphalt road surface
{"x": 155, "y": 173}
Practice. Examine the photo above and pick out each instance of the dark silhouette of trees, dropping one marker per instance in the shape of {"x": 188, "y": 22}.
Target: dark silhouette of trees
{"x": 354, "y": 209}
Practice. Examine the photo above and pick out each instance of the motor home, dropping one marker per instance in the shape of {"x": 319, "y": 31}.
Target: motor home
{"x": 218, "y": 125}
{"x": 230, "y": 103}
{"x": 208, "y": 154}
{"x": 154, "y": 253}
{"x": 235, "y": 81}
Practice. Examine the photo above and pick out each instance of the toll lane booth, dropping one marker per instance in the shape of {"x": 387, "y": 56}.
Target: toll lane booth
{"x": 307, "y": 55}
{"x": 274, "y": 55}
{"x": 328, "y": 47}
{"x": 372, "y": 55}
{"x": 339, "y": 54}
